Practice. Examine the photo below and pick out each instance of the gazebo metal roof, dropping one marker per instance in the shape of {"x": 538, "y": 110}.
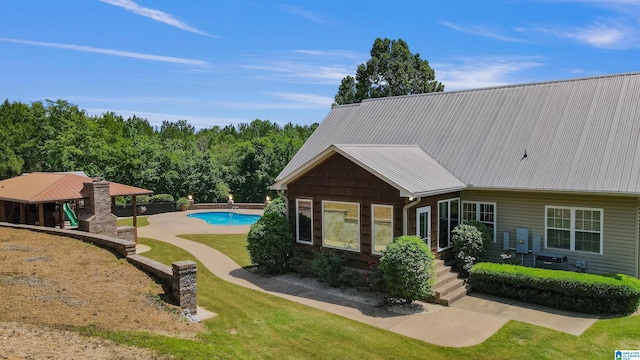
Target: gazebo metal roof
{"x": 42, "y": 187}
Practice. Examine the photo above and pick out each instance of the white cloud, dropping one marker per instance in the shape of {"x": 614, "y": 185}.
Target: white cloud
{"x": 483, "y": 71}
{"x": 156, "y": 119}
{"x": 605, "y": 3}
{"x": 129, "y": 100}
{"x": 309, "y": 101}
{"x": 154, "y": 14}
{"x": 612, "y": 35}
{"x": 480, "y": 31}
{"x": 274, "y": 105}
{"x": 598, "y": 35}
{"x": 330, "y": 53}
{"x": 303, "y": 72}
{"x": 305, "y": 14}
{"x": 113, "y": 52}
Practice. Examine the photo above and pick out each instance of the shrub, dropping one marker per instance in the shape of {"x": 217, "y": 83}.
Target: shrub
{"x": 161, "y": 198}
{"x": 182, "y": 203}
{"x": 143, "y": 199}
{"x": 299, "y": 264}
{"x": 586, "y": 293}
{"x": 408, "y": 268}
{"x": 470, "y": 242}
{"x": 328, "y": 266}
{"x": 121, "y": 200}
{"x": 276, "y": 206}
{"x": 270, "y": 244}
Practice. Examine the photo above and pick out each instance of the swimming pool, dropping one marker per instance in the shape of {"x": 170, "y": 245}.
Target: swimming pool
{"x": 226, "y": 218}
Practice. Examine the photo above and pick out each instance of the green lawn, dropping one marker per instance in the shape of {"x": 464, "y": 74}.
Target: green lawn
{"x": 142, "y": 221}
{"x": 233, "y": 246}
{"x": 253, "y": 325}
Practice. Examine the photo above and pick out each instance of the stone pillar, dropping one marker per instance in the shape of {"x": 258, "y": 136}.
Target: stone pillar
{"x": 183, "y": 283}
{"x": 97, "y": 217}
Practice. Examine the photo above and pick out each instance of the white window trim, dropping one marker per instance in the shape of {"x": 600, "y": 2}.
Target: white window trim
{"x": 298, "y": 222}
{"x": 448, "y": 201}
{"x": 420, "y": 210}
{"x": 373, "y": 232}
{"x": 572, "y": 230}
{"x": 495, "y": 214}
{"x": 323, "y": 225}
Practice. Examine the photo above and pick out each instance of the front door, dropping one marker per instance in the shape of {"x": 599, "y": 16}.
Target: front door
{"x": 423, "y": 224}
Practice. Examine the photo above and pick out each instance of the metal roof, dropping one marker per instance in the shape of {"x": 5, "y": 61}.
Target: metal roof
{"x": 579, "y": 135}
{"x": 408, "y": 176}
{"x": 35, "y": 188}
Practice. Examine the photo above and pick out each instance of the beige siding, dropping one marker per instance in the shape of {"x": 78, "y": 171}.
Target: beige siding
{"x": 527, "y": 209}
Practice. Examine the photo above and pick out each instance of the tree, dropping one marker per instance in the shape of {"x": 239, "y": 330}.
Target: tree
{"x": 392, "y": 71}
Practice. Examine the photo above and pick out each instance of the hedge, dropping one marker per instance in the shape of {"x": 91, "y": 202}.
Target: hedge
{"x": 585, "y": 293}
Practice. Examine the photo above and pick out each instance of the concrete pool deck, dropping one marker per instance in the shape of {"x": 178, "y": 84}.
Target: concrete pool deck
{"x": 468, "y": 322}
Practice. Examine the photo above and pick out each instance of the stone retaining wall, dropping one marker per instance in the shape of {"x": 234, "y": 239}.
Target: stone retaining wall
{"x": 180, "y": 277}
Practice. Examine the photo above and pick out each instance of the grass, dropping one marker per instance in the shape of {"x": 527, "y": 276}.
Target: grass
{"x": 142, "y": 221}
{"x": 252, "y": 324}
{"x": 234, "y": 246}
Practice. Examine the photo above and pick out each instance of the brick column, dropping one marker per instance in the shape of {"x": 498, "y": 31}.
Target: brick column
{"x": 97, "y": 217}
{"x": 184, "y": 286}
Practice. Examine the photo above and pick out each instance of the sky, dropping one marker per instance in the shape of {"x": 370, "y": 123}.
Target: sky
{"x": 215, "y": 63}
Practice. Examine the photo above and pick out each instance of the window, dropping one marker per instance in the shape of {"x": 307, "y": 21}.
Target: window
{"x": 341, "y": 225}
{"x": 448, "y": 219}
{"x": 480, "y": 211}
{"x": 304, "y": 221}
{"x": 575, "y": 229}
{"x": 382, "y": 227}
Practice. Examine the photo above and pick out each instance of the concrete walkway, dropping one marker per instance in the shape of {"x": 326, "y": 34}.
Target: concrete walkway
{"x": 467, "y": 322}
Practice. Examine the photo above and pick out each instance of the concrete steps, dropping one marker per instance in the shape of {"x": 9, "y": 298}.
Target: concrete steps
{"x": 448, "y": 287}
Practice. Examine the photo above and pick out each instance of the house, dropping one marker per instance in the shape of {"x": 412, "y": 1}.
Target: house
{"x": 557, "y": 160}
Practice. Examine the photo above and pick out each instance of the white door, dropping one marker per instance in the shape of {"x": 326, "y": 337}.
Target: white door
{"x": 423, "y": 224}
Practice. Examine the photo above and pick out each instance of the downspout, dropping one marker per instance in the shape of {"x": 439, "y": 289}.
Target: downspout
{"x": 405, "y": 215}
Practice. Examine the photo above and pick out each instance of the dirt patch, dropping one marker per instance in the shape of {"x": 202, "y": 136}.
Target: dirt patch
{"x": 27, "y": 341}
{"x": 52, "y": 282}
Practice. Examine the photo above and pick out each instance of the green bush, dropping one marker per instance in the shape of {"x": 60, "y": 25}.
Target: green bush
{"x": 408, "y": 268}
{"x": 143, "y": 199}
{"x": 586, "y": 293}
{"x": 328, "y": 266}
{"x": 487, "y": 233}
{"x": 157, "y": 198}
{"x": 182, "y": 203}
{"x": 276, "y": 206}
{"x": 121, "y": 200}
{"x": 470, "y": 242}
{"x": 270, "y": 243}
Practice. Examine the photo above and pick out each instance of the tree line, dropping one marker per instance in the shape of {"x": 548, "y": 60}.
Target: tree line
{"x": 175, "y": 159}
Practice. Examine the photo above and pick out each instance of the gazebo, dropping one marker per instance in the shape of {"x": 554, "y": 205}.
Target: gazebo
{"x": 35, "y": 198}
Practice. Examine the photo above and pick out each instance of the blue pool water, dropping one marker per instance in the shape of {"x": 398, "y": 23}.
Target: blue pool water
{"x": 226, "y": 218}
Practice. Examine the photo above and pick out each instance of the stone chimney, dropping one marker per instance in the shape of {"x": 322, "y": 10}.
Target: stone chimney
{"x": 96, "y": 217}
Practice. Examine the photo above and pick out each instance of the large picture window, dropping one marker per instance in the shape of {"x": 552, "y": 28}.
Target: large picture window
{"x": 304, "y": 221}
{"x": 480, "y": 211}
{"x": 448, "y": 219}
{"x": 382, "y": 227}
{"x": 341, "y": 225}
{"x": 574, "y": 229}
